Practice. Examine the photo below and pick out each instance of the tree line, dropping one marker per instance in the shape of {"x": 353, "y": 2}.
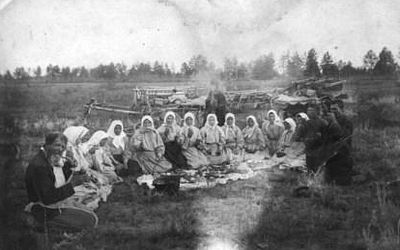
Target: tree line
{"x": 262, "y": 68}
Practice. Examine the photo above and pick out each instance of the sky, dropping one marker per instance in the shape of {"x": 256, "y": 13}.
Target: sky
{"x": 90, "y": 32}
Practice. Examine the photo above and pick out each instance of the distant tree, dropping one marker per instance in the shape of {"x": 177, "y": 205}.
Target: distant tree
{"x": 311, "y": 67}
{"x": 263, "y": 68}
{"x": 38, "y": 72}
{"x": 158, "y": 69}
{"x": 295, "y": 66}
{"x": 198, "y": 64}
{"x": 20, "y": 73}
{"x": 75, "y": 72}
{"x": 328, "y": 67}
{"x": 167, "y": 70}
{"x": 186, "y": 70}
{"x": 133, "y": 72}
{"x": 56, "y": 70}
{"x": 231, "y": 68}
{"x": 8, "y": 76}
{"x": 340, "y": 64}
{"x": 385, "y": 64}
{"x": 121, "y": 70}
{"x": 370, "y": 59}
{"x": 83, "y": 73}
{"x": 49, "y": 71}
{"x": 348, "y": 70}
{"x": 109, "y": 72}
{"x": 66, "y": 73}
{"x": 242, "y": 71}
{"x": 144, "y": 69}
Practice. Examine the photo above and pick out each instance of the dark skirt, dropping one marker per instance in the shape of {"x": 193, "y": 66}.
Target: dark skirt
{"x": 67, "y": 218}
{"x": 173, "y": 153}
{"x": 119, "y": 158}
{"x": 338, "y": 169}
{"x": 133, "y": 169}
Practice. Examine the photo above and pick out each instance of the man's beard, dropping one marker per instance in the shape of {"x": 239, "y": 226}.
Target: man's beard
{"x": 57, "y": 159}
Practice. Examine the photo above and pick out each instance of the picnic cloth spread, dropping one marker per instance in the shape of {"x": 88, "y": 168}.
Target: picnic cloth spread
{"x": 243, "y": 169}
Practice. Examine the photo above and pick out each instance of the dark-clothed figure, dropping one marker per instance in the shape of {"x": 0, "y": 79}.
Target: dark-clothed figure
{"x": 172, "y": 137}
{"x": 49, "y": 182}
{"x": 312, "y": 134}
{"x": 216, "y": 104}
{"x": 339, "y": 166}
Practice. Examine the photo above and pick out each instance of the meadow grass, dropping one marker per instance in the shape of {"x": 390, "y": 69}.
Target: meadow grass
{"x": 259, "y": 213}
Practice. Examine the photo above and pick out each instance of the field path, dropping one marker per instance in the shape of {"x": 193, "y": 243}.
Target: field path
{"x": 229, "y": 213}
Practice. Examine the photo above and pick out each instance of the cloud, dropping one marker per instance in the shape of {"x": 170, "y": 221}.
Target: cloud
{"x": 250, "y": 28}
{"x": 91, "y": 32}
{"x": 4, "y": 4}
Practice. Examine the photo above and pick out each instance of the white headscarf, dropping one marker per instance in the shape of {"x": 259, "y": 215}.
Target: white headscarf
{"x": 117, "y": 140}
{"x": 74, "y": 133}
{"x": 96, "y": 138}
{"x": 147, "y": 117}
{"x": 229, "y": 128}
{"x": 191, "y": 115}
{"x": 208, "y": 124}
{"x": 150, "y": 137}
{"x": 169, "y": 113}
{"x": 304, "y": 116}
{"x": 174, "y": 129}
{"x": 248, "y": 131}
{"x": 230, "y": 115}
{"x": 277, "y": 118}
{"x": 252, "y": 117}
{"x": 292, "y": 123}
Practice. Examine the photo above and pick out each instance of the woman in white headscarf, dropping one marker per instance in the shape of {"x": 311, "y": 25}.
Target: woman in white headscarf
{"x": 171, "y": 134}
{"x": 272, "y": 130}
{"x": 192, "y": 143}
{"x": 233, "y": 136}
{"x": 150, "y": 148}
{"x": 100, "y": 158}
{"x": 214, "y": 141}
{"x": 77, "y": 135}
{"x": 252, "y": 135}
{"x": 117, "y": 143}
{"x": 287, "y": 135}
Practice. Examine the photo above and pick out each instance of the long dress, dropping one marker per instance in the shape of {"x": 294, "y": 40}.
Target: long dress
{"x": 214, "y": 141}
{"x": 100, "y": 160}
{"x": 272, "y": 134}
{"x": 233, "y": 140}
{"x": 195, "y": 157}
{"x": 150, "y": 151}
{"x": 102, "y": 163}
{"x": 287, "y": 135}
{"x": 171, "y": 135}
{"x": 116, "y": 145}
{"x": 253, "y": 139}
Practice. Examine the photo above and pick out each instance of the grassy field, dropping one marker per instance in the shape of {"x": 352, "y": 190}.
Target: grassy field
{"x": 259, "y": 213}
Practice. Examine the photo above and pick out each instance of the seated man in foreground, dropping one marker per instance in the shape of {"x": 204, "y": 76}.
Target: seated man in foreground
{"x": 49, "y": 182}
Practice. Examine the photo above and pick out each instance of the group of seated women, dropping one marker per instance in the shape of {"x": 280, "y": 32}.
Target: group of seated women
{"x": 172, "y": 146}
{"x": 104, "y": 156}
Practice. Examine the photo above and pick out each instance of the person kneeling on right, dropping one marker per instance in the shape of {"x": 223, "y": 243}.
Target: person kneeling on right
{"x": 49, "y": 181}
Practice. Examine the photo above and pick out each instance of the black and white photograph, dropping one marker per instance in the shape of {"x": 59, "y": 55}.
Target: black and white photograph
{"x": 199, "y": 124}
